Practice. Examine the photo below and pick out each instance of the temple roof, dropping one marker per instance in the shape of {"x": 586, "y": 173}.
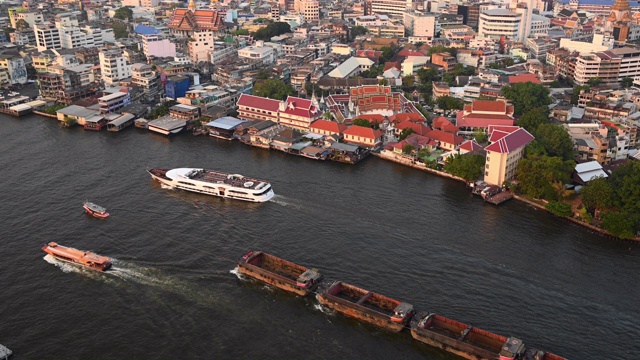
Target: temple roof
{"x": 621, "y": 5}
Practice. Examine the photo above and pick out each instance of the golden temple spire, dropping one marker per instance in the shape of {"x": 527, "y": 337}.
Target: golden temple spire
{"x": 192, "y": 5}
{"x": 621, "y": 5}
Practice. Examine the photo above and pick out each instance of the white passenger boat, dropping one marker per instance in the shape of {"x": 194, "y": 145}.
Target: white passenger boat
{"x": 216, "y": 183}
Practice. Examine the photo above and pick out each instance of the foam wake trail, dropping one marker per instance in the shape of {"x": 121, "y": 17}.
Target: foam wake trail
{"x": 284, "y": 201}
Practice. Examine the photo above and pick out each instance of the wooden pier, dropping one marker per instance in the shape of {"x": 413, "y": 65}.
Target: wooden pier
{"x": 4, "y": 352}
{"x": 500, "y": 197}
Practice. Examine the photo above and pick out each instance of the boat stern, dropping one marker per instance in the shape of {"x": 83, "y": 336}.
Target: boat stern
{"x": 309, "y": 279}
{"x": 402, "y": 313}
{"x": 512, "y": 349}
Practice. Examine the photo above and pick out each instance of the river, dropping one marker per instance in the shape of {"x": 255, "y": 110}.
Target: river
{"x": 174, "y": 293}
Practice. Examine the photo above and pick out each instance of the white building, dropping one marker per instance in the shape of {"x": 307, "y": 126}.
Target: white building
{"x": 31, "y": 18}
{"x": 74, "y": 37}
{"x": 144, "y": 76}
{"x": 47, "y": 36}
{"x": 419, "y": 24}
{"x": 260, "y": 52}
{"x": 113, "y": 66}
{"x": 412, "y": 64}
{"x": 353, "y": 66}
{"x": 141, "y": 3}
{"x": 341, "y": 49}
{"x": 200, "y": 45}
{"x": 497, "y": 23}
{"x": 157, "y": 45}
{"x": 221, "y": 53}
{"x": 391, "y": 7}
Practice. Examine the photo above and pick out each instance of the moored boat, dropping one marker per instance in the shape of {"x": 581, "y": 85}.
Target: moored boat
{"x": 462, "y": 339}
{"x": 367, "y": 306}
{"x": 280, "y": 273}
{"x": 78, "y": 257}
{"x": 95, "y": 210}
{"x": 216, "y": 183}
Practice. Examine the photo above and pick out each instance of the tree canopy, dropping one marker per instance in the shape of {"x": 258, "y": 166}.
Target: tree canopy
{"x": 625, "y": 181}
{"x": 575, "y": 96}
{"x": 623, "y": 224}
{"x": 534, "y": 118}
{"x": 442, "y": 48}
{"x": 560, "y": 209}
{"x": 449, "y": 103}
{"x": 626, "y": 82}
{"x": 361, "y": 122}
{"x": 597, "y": 194}
{"x": 271, "y": 30}
{"x": 555, "y": 140}
{"x": 358, "y": 30}
{"x": 469, "y": 166}
{"x": 273, "y": 89}
{"x": 405, "y": 132}
{"x": 22, "y": 24}
{"x": 458, "y": 70}
{"x": 543, "y": 177}
{"x": 527, "y": 96}
{"x": 594, "y": 81}
{"x": 119, "y": 30}
{"x": 124, "y": 13}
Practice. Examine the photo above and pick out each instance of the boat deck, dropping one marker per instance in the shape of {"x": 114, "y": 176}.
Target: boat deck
{"x": 366, "y": 299}
{"x": 277, "y": 266}
{"x": 5, "y": 352}
{"x": 216, "y": 177}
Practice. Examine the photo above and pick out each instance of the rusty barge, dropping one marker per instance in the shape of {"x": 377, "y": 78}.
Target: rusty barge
{"x": 367, "y": 306}
{"x": 280, "y": 273}
{"x": 387, "y": 313}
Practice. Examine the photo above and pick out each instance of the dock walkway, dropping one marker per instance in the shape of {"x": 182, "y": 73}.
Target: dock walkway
{"x": 4, "y": 352}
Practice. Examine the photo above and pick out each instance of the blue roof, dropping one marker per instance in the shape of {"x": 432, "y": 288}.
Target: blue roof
{"x": 146, "y": 30}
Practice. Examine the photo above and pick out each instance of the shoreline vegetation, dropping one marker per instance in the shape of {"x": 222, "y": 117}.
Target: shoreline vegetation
{"x": 560, "y": 203}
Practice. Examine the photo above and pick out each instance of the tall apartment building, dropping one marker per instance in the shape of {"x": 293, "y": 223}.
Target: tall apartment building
{"x": 157, "y": 45}
{"x": 420, "y": 24}
{"x": 496, "y": 23}
{"x": 67, "y": 84}
{"x": 47, "y": 36}
{"x": 113, "y": 66}
{"x": 309, "y": 9}
{"x": 391, "y": 7}
{"x": 504, "y": 154}
{"x": 12, "y": 65}
{"x": 67, "y": 34}
{"x": 200, "y": 44}
{"x": 147, "y": 79}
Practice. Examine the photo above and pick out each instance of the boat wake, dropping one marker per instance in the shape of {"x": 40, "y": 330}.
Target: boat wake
{"x": 237, "y": 273}
{"x": 323, "y": 309}
{"x": 66, "y": 267}
{"x": 284, "y": 201}
{"x": 138, "y": 274}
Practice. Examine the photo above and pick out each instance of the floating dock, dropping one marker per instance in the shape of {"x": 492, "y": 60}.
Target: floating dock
{"x": 5, "y": 352}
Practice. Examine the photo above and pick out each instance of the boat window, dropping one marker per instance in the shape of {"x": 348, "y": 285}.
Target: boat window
{"x": 237, "y": 192}
{"x": 186, "y": 183}
{"x": 263, "y": 192}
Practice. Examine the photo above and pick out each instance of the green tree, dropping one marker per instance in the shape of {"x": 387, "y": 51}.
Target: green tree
{"x": 373, "y": 72}
{"x": 361, "y": 122}
{"x": 263, "y": 75}
{"x": 480, "y": 136}
{"x": 408, "y": 149}
{"x": 559, "y": 209}
{"x": 469, "y": 166}
{"x": 594, "y": 81}
{"x": 271, "y": 30}
{"x": 387, "y": 54}
{"x": 597, "y": 194}
{"x": 626, "y": 82}
{"x": 555, "y": 140}
{"x": 119, "y": 30}
{"x": 21, "y": 24}
{"x": 405, "y": 132}
{"x": 358, "y": 30}
{"x": 442, "y": 48}
{"x": 327, "y": 116}
{"x": 534, "y": 149}
{"x": 542, "y": 177}
{"x": 555, "y": 84}
{"x": 427, "y": 75}
{"x": 240, "y": 32}
{"x": 408, "y": 81}
{"x": 273, "y": 89}
{"x": 534, "y": 118}
{"x": 124, "y": 13}
{"x": 449, "y": 103}
{"x": 625, "y": 181}
{"x": 621, "y": 224}
{"x": 527, "y": 96}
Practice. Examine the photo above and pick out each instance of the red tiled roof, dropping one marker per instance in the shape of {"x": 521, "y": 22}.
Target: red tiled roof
{"x": 327, "y": 125}
{"x": 300, "y": 107}
{"x": 442, "y": 123}
{"x": 511, "y": 141}
{"x": 417, "y": 128}
{"x": 259, "y": 102}
{"x": 470, "y": 146}
{"x": 372, "y": 118}
{"x": 489, "y": 106}
{"x": 506, "y": 129}
{"x": 365, "y": 132}
{"x": 400, "y": 117}
{"x": 445, "y": 137}
{"x": 477, "y": 121}
{"x": 497, "y": 135}
{"x": 406, "y": 53}
{"x": 514, "y": 79}
{"x": 392, "y": 65}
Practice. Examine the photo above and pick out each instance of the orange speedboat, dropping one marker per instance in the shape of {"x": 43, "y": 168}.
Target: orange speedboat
{"x": 79, "y": 257}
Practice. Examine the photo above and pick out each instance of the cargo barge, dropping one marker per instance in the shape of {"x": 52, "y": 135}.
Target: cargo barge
{"x": 462, "y": 339}
{"x": 367, "y": 306}
{"x": 279, "y": 273}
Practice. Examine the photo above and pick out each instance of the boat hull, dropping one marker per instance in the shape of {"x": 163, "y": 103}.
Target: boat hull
{"x": 218, "y": 190}
{"x": 271, "y": 277}
{"x": 96, "y": 214}
{"x": 453, "y": 346}
{"x": 358, "y": 310}
{"x": 77, "y": 257}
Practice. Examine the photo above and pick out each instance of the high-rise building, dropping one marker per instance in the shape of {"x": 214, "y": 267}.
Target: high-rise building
{"x": 390, "y": 7}
{"x": 420, "y": 24}
{"x": 113, "y": 66}
{"x": 309, "y": 9}
{"x": 496, "y": 23}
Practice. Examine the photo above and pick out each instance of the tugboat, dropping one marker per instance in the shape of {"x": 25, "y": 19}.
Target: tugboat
{"x": 95, "y": 210}
{"x": 78, "y": 257}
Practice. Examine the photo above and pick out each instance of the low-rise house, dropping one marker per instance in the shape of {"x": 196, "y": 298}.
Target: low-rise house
{"x": 480, "y": 114}
{"x": 363, "y": 136}
{"x": 326, "y": 127}
{"x": 77, "y": 114}
{"x": 446, "y": 141}
{"x": 585, "y": 172}
{"x": 353, "y": 66}
{"x": 285, "y": 139}
{"x": 224, "y": 127}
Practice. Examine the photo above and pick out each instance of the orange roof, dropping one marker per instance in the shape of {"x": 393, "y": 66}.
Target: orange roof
{"x": 400, "y": 117}
{"x": 514, "y": 79}
{"x": 327, "y": 125}
{"x": 365, "y": 132}
{"x": 372, "y": 118}
{"x": 445, "y": 137}
{"x": 442, "y": 123}
{"x": 489, "y": 106}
